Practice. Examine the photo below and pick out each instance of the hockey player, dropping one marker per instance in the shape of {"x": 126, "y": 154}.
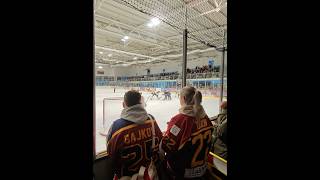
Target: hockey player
{"x": 154, "y": 93}
{"x": 129, "y": 139}
{"x": 187, "y": 140}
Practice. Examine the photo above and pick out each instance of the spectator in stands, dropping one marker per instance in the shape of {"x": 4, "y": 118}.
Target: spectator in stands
{"x": 130, "y": 134}
{"x": 161, "y": 76}
{"x": 186, "y": 132}
{"x": 220, "y": 132}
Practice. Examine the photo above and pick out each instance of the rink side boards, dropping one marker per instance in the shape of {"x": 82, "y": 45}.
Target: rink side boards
{"x": 215, "y": 162}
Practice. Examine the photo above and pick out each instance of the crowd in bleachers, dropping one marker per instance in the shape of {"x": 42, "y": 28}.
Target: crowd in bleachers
{"x": 206, "y": 71}
{"x": 191, "y": 74}
{"x": 151, "y": 77}
{"x": 165, "y": 74}
{"x": 203, "y": 69}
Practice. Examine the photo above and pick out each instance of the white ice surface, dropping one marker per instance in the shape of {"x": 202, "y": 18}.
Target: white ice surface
{"x": 160, "y": 109}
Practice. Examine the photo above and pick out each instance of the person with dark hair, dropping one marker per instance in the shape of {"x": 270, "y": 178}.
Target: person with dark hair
{"x": 187, "y": 140}
{"x": 129, "y": 140}
{"x": 220, "y": 132}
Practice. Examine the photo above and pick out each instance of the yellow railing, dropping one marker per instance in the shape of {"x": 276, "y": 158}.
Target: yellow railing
{"x": 220, "y": 158}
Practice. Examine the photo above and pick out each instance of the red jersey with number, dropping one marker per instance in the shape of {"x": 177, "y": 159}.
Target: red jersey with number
{"x": 187, "y": 142}
{"x": 131, "y": 144}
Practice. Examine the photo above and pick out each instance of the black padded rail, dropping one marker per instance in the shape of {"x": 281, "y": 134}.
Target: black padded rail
{"x": 101, "y": 170}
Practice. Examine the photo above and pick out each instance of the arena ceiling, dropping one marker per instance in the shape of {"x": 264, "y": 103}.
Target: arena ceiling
{"x": 141, "y": 32}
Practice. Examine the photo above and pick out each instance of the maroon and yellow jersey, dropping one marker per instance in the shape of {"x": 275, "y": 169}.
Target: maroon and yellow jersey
{"x": 131, "y": 145}
{"x": 187, "y": 143}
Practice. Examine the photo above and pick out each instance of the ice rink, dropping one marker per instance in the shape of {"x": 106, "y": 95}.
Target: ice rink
{"x": 162, "y": 110}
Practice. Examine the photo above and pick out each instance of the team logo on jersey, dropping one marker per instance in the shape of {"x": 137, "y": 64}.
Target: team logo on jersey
{"x": 175, "y": 130}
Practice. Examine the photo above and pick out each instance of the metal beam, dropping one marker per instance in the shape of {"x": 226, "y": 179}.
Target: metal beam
{"x": 163, "y": 57}
{"x": 98, "y": 5}
{"x": 221, "y": 12}
{"x": 195, "y": 21}
{"x": 133, "y": 27}
{"x": 184, "y": 58}
{"x": 151, "y": 59}
{"x": 222, "y": 72}
{"x": 194, "y": 3}
{"x": 188, "y": 53}
{"x": 124, "y": 52}
{"x": 216, "y": 9}
{"x": 137, "y": 36}
{"x": 223, "y": 27}
{"x": 180, "y": 48}
{"x": 136, "y": 39}
{"x": 180, "y": 36}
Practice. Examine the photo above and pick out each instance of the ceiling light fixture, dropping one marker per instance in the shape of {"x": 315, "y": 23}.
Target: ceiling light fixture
{"x": 153, "y": 22}
{"x": 150, "y": 25}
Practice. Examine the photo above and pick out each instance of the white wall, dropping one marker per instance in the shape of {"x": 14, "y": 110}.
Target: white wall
{"x": 107, "y": 70}
{"x": 169, "y": 67}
